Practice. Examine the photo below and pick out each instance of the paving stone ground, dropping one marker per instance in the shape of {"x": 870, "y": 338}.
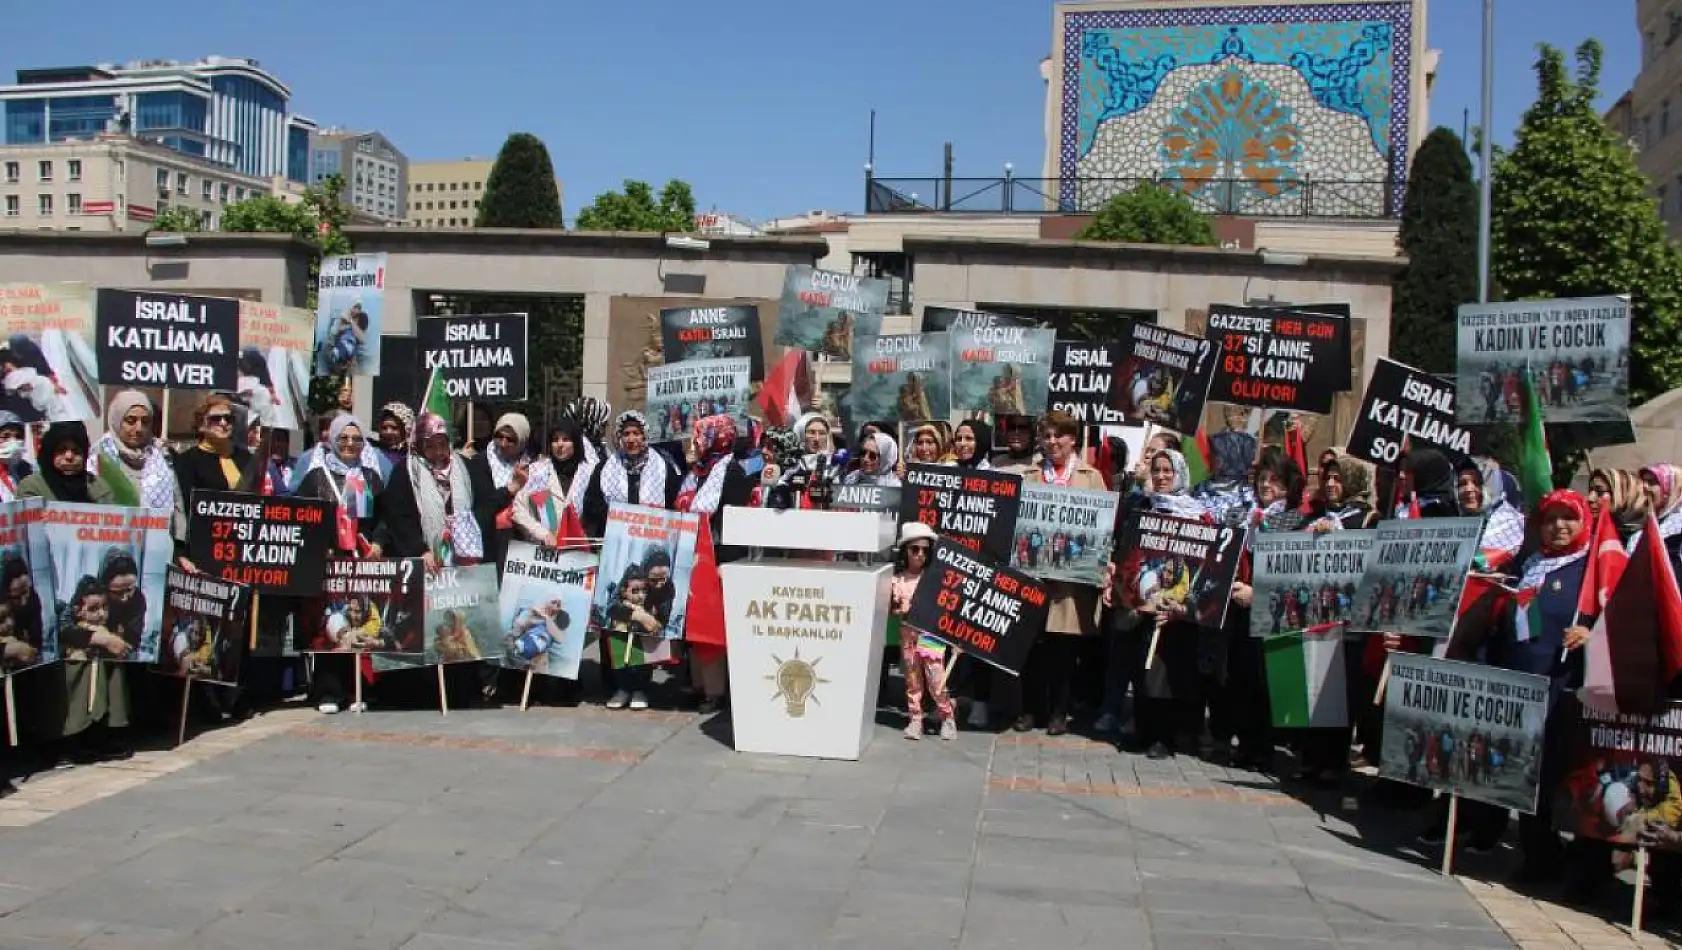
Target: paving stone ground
{"x": 580, "y": 828}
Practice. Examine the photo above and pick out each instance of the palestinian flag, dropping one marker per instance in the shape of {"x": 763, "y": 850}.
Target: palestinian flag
{"x": 1535, "y": 469}
{"x": 123, "y": 491}
{"x": 1199, "y": 459}
{"x": 437, "y": 401}
{"x": 1305, "y": 681}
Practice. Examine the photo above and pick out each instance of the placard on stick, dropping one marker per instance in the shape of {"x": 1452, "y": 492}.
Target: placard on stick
{"x": 276, "y": 545}
{"x": 176, "y": 341}
{"x": 975, "y": 508}
{"x": 1279, "y": 359}
{"x": 1408, "y": 406}
{"x": 204, "y": 622}
{"x": 988, "y": 610}
{"x": 480, "y": 357}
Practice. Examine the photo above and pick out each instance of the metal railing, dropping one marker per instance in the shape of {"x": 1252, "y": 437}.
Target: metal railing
{"x": 1297, "y": 198}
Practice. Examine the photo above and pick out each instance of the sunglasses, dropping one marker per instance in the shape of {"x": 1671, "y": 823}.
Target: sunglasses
{"x": 218, "y": 419}
{"x": 869, "y": 455}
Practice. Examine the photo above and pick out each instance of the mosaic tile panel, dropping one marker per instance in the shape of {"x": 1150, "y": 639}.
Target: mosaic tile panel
{"x": 1240, "y": 105}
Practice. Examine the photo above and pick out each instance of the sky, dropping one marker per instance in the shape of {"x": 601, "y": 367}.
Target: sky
{"x": 763, "y": 107}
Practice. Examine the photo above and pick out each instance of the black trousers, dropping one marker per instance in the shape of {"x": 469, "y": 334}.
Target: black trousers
{"x": 1046, "y": 686}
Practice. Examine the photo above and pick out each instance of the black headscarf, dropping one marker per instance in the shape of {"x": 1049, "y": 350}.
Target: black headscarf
{"x": 565, "y": 470}
{"x": 983, "y": 442}
{"x": 65, "y": 487}
{"x": 1433, "y": 482}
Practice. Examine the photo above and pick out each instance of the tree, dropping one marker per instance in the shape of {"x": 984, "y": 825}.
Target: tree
{"x": 1572, "y": 217}
{"x": 1150, "y": 214}
{"x": 637, "y": 210}
{"x": 1439, "y": 238}
{"x": 521, "y": 191}
{"x": 178, "y": 218}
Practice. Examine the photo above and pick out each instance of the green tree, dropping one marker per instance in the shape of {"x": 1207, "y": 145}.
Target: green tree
{"x": 1150, "y": 214}
{"x": 636, "y": 209}
{"x": 521, "y": 191}
{"x": 178, "y": 218}
{"x": 1572, "y": 217}
{"x": 1439, "y": 238}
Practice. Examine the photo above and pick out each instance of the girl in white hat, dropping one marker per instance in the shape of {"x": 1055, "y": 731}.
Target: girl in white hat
{"x": 923, "y": 658}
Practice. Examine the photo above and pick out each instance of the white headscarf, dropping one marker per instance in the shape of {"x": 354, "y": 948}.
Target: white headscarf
{"x": 887, "y": 458}
{"x": 1177, "y": 500}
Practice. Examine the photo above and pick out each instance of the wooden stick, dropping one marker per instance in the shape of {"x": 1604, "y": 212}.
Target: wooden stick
{"x": 356, "y": 678}
{"x": 1448, "y": 840}
{"x": 1636, "y": 913}
{"x": 1150, "y": 652}
{"x": 255, "y": 599}
{"x": 525, "y": 690}
{"x": 946, "y": 674}
{"x": 186, "y": 699}
{"x": 93, "y": 683}
{"x": 11, "y": 714}
{"x": 1383, "y": 681}
{"x": 443, "y": 693}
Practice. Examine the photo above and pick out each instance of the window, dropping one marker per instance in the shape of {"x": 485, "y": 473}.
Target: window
{"x": 478, "y": 186}
{"x": 73, "y": 168}
{"x": 475, "y": 203}
{"x": 163, "y": 181}
{"x": 44, "y": 206}
{"x": 180, "y": 183}
{"x": 12, "y": 172}
{"x": 239, "y": 194}
{"x": 1664, "y": 202}
{"x": 44, "y": 170}
{"x": 452, "y": 206}
{"x": 122, "y": 170}
{"x": 222, "y": 193}
{"x": 207, "y": 189}
{"x": 73, "y": 204}
{"x": 12, "y": 206}
{"x": 1646, "y": 130}
{"x": 1649, "y": 46}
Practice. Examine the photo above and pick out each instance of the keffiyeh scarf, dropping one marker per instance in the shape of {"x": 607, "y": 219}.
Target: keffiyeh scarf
{"x": 155, "y": 479}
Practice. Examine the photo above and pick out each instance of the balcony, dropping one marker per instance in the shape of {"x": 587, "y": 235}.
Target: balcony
{"x": 1277, "y": 198}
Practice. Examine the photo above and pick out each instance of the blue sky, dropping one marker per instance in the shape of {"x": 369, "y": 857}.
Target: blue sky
{"x": 762, "y": 106}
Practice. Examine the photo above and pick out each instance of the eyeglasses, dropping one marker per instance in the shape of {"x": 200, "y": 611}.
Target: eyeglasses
{"x": 219, "y": 419}
{"x": 871, "y": 456}
{"x": 351, "y": 440}
{"x": 921, "y": 547}
{"x": 507, "y": 437}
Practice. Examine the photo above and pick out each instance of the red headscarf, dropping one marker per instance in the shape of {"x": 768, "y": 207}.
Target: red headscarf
{"x": 1570, "y": 500}
{"x": 715, "y": 438}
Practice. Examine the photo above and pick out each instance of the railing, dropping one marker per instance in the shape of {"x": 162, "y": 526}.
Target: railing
{"x": 1296, "y": 198}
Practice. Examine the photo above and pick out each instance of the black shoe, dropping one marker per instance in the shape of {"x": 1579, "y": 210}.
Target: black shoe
{"x": 1159, "y": 751}
{"x": 1024, "y": 723}
{"x": 1482, "y": 845}
{"x": 1057, "y": 727}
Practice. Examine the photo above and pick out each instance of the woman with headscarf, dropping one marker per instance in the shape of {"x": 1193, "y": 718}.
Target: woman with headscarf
{"x": 1491, "y": 493}
{"x": 427, "y": 509}
{"x": 497, "y": 474}
{"x": 14, "y": 465}
{"x": 590, "y": 415}
{"x": 931, "y": 444}
{"x": 1016, "y": 452}
{"x": 1169, "y": 487}
{"x": 630, "y": 474}
{"x": 878, "y": 461}
{"x": 344, "y": 478}
{"x": 814, "y": 432}
{"x": 1664, "y": 488}
{"x": 1623, "y": 497}
{"x": 714, "y": 482}
{"x": 972, "y": 444}
{"x": 61, "y": 702}
{"x": 1427, "y": 485}
{"x": 131, "y": 448}
{"x": 396, "y": 424}
{"x": 554, "y": 483}
{"x": 1344, "y": 498}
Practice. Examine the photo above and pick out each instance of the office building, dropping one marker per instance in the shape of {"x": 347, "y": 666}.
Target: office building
{"x": 446, "y": 194}
{"x": 1650, "y": 114}
{"x": 374, "y": 170}
{"x": 225, "y": 110}
{"x": 112, "y": 183}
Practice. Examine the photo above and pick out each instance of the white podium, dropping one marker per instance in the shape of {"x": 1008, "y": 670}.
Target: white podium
{"x": 805, "y": 637}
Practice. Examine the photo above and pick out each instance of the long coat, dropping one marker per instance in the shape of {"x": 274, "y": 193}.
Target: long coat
{"x": 1074, "y": 607}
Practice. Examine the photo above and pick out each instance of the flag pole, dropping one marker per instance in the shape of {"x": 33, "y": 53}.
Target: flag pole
{"x": 1486, "y": 150}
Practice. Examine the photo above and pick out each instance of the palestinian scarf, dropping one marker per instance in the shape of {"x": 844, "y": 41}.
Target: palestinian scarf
{"x": 591, "y": 415}
{"x": 618, "y": 467}
{"x": 1551, "y": 559}
{"x": 349, "y": 483}
{"x": 146, "y": 466}
{"x": 715, "y": 443}
{"x": 1356, "y": 477}
{"x": 503, "y": 469}
{"x": 1503, "y": 527}
{"x": 1177, "y": 500}
{"x": 65, "y": 487}
{"x": 443, "y": 497}
{"x": 1668, "y": 506}
{"x": 403, "y": 416}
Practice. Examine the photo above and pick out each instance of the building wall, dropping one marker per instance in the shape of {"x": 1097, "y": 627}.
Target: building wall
{"x": 1238, "y": 101}
{"x": 375, "y": 171}
{"x": 446, "y": 194}
{"x": 267, "y": 267}
{"x": 113, "y": 184}
{"x": 1652, "y": 117}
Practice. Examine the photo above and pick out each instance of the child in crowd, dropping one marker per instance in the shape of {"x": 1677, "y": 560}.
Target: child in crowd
{"x": 922, "y": 658}
{"x": 84, "y": 634}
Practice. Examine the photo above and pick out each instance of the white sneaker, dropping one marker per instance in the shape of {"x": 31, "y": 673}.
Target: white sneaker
{"x": 978, "y": 717}
{"x": 328, "y": 709}
{"x": 618, "y": 700}
{"x": 638, "y": 700}
{"x": 949, "y": 729}
{"x": 914, "y": 731}
{"x": 358, "y": 707}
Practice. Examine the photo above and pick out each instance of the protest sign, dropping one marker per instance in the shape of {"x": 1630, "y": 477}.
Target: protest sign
{"x": 276, "y": 545}
{"x": 1406, "y": 406}
{"x": 28, "y": 626}
{"x": 1177, "y": 560}
{"x": 680, "y": 393}
{"x": 900, "y": 378}
{"x": 1161, "y": 377}
{"x": 461, "y": 615}
{"x": 1082, "y": 374}
{"x": 1576, "y": 350}
{"x": 480, "y": 357}
{"x": 1415, "y": 573}
{"x": 822, "y": 311}
{"x": 976, "y": 508}
{"x": 371, "y": 605}
{"x": 177, "y": 341}
{"x": 544, "y": 609}
{"x": 991, "y": 612}
{"x": 48, "y": 366}
{"x": 349, "y": 312}
{"x": 104, "y": 569}
{"x": 1302, "y": 579}
{"x": 1279, "y": 359}
{"x": 204, "y": 624}
{"x": 1002, "y": 370}
{"x": 866, "y": 498}
{"x": 709, "y": 333}
{"x": 1063, "y": 534}
{"x": 942, "y": 319}
{"x": 1465, "y": 728}
{"x": 274, "y": 364}
{"x": 643, "y": 588}
{"x": 1620, "y": 777}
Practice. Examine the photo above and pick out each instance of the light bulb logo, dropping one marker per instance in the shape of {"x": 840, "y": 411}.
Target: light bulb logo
{"x": 796, "y": 681}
